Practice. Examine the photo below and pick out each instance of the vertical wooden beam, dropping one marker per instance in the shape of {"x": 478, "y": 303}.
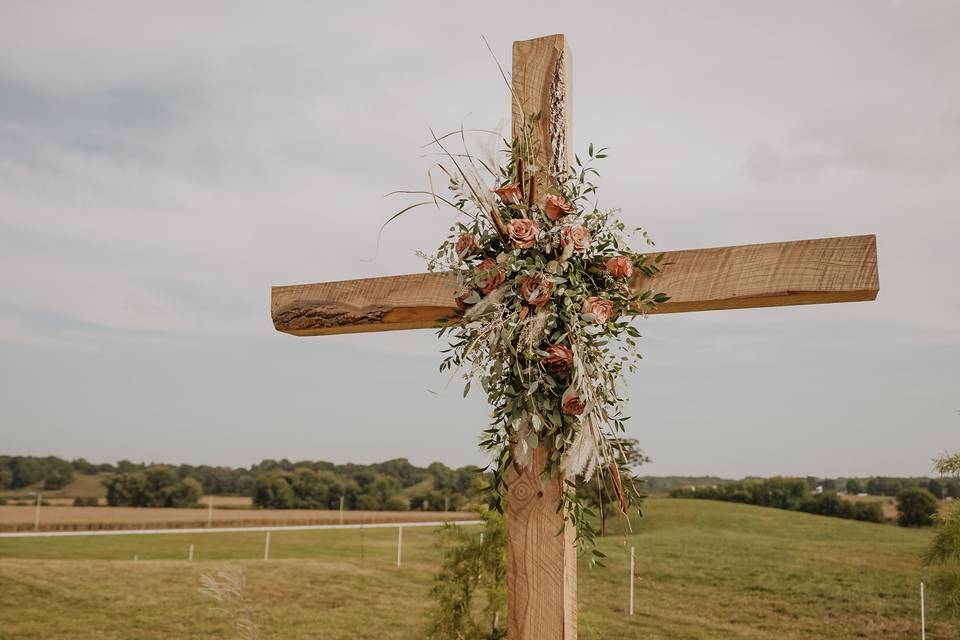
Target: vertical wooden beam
{"x": 542, "y": 565}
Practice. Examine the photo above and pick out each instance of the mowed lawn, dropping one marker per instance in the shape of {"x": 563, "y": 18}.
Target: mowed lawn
{"x": 704, "y": 570}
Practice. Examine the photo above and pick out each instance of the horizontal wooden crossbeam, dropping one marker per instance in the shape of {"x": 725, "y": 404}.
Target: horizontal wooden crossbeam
{"x": 757, "y": 275}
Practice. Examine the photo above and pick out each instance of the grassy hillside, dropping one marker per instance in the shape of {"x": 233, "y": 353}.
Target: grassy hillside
{"x": 82, "y": 485}
{"x": 705, "y": 570}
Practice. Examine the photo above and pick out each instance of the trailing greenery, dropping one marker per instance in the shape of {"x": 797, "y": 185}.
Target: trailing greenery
{"x": 470, "y": 590}
{"x": 792, "y": 494}
{"x": 543, "y": 279}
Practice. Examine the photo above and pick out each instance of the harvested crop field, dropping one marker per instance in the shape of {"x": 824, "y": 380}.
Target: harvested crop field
{"x": 69, "y": 518}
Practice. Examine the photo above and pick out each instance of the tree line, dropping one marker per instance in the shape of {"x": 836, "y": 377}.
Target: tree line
{"x": 793, "y": 494}
{"x": 395, "y": 485}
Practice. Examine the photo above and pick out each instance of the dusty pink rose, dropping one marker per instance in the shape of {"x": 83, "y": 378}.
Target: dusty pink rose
{"x": 510, "y": 194}
{"x": 489, "y": 277}
{"x": 570, "y": 403}
{"x": 620, "y": 267}
{"x": 556, "y": 207}
{"x": 536, "y": 289}
{"x": 577, "y": 235}
{"x": 523, "y": 232}
{"x": 559, "y": 358}
{"x": 467, "y": 245}
{"x": 601, "y": 309}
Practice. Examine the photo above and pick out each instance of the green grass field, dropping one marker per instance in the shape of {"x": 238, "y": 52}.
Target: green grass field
{"x": 704, "y": 570}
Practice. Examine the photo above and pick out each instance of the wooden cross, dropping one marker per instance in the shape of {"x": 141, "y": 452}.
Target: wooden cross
{"x": 542, "y": 570}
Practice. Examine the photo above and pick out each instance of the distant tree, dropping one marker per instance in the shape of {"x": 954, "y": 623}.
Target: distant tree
{"x": 936, "y": 488}
{"x": 853, "y": 486}
{"x": 57, "y": 474}
{"x": 273, "y": 491}
{"x": 917, "y": 508}
{"x": 80, "y": 465}
{"x": 26, "y": 471}
{"x": 157, "y": 486}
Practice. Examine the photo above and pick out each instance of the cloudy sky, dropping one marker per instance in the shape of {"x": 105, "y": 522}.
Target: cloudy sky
{"x": 163, "y": 164}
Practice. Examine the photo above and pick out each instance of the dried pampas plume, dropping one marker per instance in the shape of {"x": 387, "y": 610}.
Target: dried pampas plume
{"x": 228, "y": 588}
{"x": 581, "y": 457}
{"x": 487, "y": 302}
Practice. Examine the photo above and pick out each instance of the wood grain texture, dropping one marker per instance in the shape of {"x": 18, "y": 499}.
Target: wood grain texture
{"x": 543, "y": 83}
{"x": 759, "y": 275}
{"x": 541, "y": 565}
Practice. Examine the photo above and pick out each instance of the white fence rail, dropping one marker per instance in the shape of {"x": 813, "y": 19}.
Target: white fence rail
{"x": 305, "y": 527}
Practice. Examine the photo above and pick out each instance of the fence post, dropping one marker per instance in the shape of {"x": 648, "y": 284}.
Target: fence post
{"x": 399, "y": 545}
{"x": 190, "y": 554}
{"x": 341, "y": 509}
{"x": 210, "y": 510}
{"x": 266, "y": 547}
{"x": 633, "y": 565}
{"x": 923, "y": 616}
{"x": 36, "y": 517}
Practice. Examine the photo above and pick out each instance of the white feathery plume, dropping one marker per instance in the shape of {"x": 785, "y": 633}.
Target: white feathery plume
{"x": 488, "y": 301}
{"x": 532, "y": 332}
{"x": 581, "y": 457}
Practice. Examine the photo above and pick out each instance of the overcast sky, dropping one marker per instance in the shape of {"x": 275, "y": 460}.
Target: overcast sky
{"x": 163, "y": 164}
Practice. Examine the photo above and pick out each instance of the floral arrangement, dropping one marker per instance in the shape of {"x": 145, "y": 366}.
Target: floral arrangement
{"x": 545, "y": 308}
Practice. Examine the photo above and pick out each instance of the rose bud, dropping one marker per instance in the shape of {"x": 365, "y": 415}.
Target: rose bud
{"x": 510, "y": 194}
{"x": 559, "y": 358}
{"x": 570, "y": 403}
{"x": 620, "y": 267}
{"x": 489, "y": 277}
{"x": 601, "y": 309}
{"x": 523, "y": 232}
{"x": 466, "y": 246}
{"x": 556, "y": 207}
{"x": 536, "y": 289}
{"x": 576, "y": 235}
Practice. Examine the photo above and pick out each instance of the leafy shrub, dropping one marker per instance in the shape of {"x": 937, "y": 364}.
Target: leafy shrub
{"x": 471, "y": 588}
{"x": 86, "y": 501}
{"x": 917, "y": 508}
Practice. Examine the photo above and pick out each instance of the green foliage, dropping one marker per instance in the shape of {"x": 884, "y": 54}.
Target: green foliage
{"x": 17, "y": 472}
{"x": 157, "y": 486}
{"x": 470, "y": 590}
{"x": 944, "y": 552}
{"x": 86, "y": 501}
{"x": 854, "y": 486}
{"x": 917, "y": 508}
{"x": 543, "y": 278}
{"x": 792, "y": 494}
{"x": 830, "y": 504}
{"x": 948, "y": 465}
